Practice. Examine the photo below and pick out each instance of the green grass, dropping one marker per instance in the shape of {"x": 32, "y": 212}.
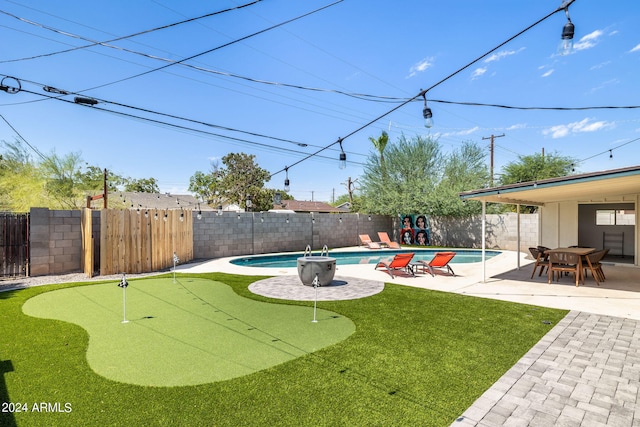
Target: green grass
{"x": 418, "y": 357}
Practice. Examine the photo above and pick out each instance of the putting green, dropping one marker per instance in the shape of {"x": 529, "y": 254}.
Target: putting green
{"x": 191, "y": 332}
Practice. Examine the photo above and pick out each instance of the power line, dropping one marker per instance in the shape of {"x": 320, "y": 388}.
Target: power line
{"x": 217, "y": 47}
{"x": 105, "y": 43}
{"x": 35, "y": 150}
{"x": 180, "y": 127}
{"x": 423, "y": 93}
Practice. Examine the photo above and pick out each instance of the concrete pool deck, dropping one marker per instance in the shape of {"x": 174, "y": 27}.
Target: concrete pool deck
{"x": 618, "y": 296}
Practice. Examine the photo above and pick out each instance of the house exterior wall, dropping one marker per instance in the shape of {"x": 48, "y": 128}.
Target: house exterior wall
{"x": 559, "y": 227}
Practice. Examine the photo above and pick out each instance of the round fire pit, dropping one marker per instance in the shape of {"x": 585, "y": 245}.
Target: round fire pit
{"x": 322, "y": 266}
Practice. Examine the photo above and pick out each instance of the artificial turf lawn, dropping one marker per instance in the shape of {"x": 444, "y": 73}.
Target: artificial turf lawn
{"x": 193, "y": 331}
{"x": 418, "y": 357}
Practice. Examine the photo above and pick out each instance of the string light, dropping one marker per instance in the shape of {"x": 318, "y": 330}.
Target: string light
{"x": 343, "y": 157}
{"x": 426, "y": 113}
{"x": 286, "y": 178}
{"x": 566, "y": 42}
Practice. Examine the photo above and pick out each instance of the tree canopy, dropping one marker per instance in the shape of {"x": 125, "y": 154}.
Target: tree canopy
{"x": 417, "y": 177}
{"x": 535, "y": 167}
{"x": 239, "y": 178}
{"x": 54, "y": 181}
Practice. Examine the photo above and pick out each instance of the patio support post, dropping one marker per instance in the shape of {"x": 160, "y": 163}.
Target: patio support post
{"x": 484, "y": 240}
{"x": 518, "y": 241}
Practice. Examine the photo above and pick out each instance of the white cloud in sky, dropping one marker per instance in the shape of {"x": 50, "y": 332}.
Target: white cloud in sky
{"x": 635, "y": 49}
{"x": 517, "y": 126}
{"x": 600, "y": 65}
{"x": 464, "y": 132}
{"x": 584, "y": 125}
{"x": 588, "y": 41}
{"x": 420, "y": 66}
{"x": 502, "y": 54}
{"x": 547, "y": 73}
{"x": 478, "y": 72}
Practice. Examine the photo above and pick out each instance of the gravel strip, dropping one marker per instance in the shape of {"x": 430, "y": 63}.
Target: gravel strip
{"x": 27, "y": 282}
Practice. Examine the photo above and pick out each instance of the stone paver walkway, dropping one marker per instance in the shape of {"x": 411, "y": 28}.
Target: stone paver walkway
{"x": 291, "y": 288}
{"x": 584, "y": 372}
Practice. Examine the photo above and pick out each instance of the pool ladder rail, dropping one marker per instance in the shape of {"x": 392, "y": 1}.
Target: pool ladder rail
{"x": 325, "y": 251}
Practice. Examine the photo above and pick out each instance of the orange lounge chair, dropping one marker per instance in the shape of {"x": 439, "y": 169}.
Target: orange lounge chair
{"x": 384, "y": 238}
{"x": 440, "y": 260}
{"x": 400, "y": 262}
{"x": 365, "y": 240}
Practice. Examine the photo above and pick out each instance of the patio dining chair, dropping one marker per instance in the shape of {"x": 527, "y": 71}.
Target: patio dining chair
{"x": 565, "y": 262}
{"x": 594, "y": 264}
{"x": 541, "y": 260}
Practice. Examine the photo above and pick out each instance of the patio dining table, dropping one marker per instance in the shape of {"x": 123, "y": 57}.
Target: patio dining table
{"x": 582, "y": 253}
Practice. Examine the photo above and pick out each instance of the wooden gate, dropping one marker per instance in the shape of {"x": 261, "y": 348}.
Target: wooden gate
{"x": 131, "y": 242}
{"x": 14, "y": 244}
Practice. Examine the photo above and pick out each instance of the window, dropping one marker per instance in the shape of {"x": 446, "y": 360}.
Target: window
{"x": 615, "y": 217}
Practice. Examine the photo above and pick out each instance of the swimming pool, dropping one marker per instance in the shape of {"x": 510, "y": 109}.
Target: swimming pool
{"x": 463, "y": 256}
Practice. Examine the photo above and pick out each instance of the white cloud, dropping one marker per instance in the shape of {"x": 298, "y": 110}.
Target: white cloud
{"x": 584, "y": 125}
{"x": 517, "y": 126}
{"x": 503, "y": 54}
{"x": 600, "y": 65}
{"x": 588, "y": 41}
{"x": 478, "y": 72}
{"x": 464, "y": 132}
{"x": 420, "y": 67}
{"x": 635, "y": 49}
{"x": 548, "y": 73}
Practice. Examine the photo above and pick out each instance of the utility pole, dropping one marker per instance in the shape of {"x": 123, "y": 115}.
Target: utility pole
{"x": 491, "y": 150}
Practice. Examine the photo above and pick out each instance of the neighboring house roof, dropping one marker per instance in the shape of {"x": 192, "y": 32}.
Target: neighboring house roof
{"x": 607, "y": 185}
{"x": 156, "y": 201}
{"x": 306, "y": 206}
{"x": 345, "y": 207}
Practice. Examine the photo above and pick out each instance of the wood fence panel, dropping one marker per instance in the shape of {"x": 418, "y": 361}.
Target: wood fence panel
{"x": 88, "y": 253}
{"x": 134, "y": 243}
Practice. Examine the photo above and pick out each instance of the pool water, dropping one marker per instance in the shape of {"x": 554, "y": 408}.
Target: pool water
{"x": 463, "y": 256}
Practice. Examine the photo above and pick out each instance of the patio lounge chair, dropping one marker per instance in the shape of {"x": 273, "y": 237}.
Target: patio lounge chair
{"x": 384, "y": 239}
{"x": 541, "y": 260}
{"x": 400, "y": 262}
{"x": 365, "y": 240}
{"x": 440, "y": 260}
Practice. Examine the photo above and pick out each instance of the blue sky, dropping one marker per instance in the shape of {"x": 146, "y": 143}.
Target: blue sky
{"x": 256, "y": 90}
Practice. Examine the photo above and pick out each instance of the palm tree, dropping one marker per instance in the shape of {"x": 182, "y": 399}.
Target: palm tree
{"x": 380, "y": 143}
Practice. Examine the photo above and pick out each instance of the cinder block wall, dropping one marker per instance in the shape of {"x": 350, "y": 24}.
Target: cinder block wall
{"x": 249, "y": 233}
{"x": 56, "y": 236}
{"x": 55, "y": 241}
{"x": 501, "y": 231}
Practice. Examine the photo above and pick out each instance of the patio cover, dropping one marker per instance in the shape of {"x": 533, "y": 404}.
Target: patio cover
{"x": 586, "y": 187}
{"x": 604, "y": 186}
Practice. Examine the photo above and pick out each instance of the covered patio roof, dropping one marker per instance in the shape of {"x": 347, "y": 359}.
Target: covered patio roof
{"x": 605, "y": 186}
